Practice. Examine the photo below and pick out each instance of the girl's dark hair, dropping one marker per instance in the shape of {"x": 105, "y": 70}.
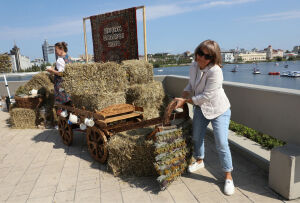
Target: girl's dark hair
{"x": 213, "y": 49}
{"x": 62, "y": 45}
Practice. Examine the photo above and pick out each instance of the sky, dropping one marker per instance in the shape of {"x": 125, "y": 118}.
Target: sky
{"x": 173, "y": 26}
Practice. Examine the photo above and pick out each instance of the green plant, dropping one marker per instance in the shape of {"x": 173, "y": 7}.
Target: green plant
{"x": 264, "y": 140}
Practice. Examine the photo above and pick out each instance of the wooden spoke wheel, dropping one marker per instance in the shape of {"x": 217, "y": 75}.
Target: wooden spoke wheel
{"x": 97, "y": 144}
{"x": 65, "y": 131}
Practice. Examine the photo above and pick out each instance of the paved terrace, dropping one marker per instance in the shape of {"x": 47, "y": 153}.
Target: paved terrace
{"x": 36, "y": 167}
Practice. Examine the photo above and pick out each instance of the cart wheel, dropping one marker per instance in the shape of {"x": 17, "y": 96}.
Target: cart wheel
{"x": 65, "y": 131}
{"x": 97, "y": 144}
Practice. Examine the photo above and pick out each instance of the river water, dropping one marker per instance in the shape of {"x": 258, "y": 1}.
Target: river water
{"x": 244, "y": 73}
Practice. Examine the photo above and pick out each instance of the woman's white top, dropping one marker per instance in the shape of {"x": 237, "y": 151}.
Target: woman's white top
{"x": 206, "y": 87}
{"x": 60, "y": 64}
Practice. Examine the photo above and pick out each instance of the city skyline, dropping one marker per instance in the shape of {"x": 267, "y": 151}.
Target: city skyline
{"x": 172, "y": 27}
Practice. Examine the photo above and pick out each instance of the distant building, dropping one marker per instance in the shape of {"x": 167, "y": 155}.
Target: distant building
{"x": 18, "y": 61}
{"x": 252, "y": 56}
{"x": 48, "y": 52}
{"x": 296, "y": 49}
{"x": 227, "y": 57}
{"x": 273, "y": 53}
{"x": 37, "y": 62}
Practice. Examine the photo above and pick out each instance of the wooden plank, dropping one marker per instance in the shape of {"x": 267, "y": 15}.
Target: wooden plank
{"x": 123, "y": 117}
{"x": 116, "y": 110}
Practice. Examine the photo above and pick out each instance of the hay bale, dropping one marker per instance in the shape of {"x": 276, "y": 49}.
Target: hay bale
{"x": 40, "y": 82}
{"x": 97, "y": 101}
{"x": 95, "y": 78}
{"x": 23, "y": 118}
{"x": 131, "y": 154}
{"x": 138, "y": 71}
{"x": 150, "y": 96}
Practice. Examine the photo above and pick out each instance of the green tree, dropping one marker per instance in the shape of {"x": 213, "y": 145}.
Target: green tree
{"x": 5, "y": 63}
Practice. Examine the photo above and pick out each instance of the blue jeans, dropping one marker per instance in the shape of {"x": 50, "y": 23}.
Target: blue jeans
{"x": 220, "y": 128}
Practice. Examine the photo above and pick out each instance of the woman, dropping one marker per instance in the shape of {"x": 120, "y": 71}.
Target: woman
{"x": 211, "y": 104}
{"x": 60, "y": 96}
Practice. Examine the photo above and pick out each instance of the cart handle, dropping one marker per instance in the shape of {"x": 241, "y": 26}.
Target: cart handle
{"x": 170, "y": 108}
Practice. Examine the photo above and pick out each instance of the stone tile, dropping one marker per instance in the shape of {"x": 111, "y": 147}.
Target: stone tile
{"x": 24, "y": 188}
{"x": 180, "y": 193}
{"x": 135, "y": 195}
{"x": 162, "y": 196}
{"x": 210, "y": 197}
{"x": 48, "y": 180}
{"x": 66, "y": 183}
{"x": 198, "y": 184}
{"x": 4, "y": 172}
{"x": 111, "y": 197}
{"x": 88, "y": 174}
{"x": 88, "y": 196}
{"x": 31, "y": 175}
{"x": 18, "y": 199}
{"x": 66, "y": 196}
{"x": 265, "y": 198}
{"x": 41, "y": 200}
{"x": 69, "y": 172}
{"x": 109, "y": 185}
{"x": 42, "y": 192}
{"x": 252, "y": 189}
{"x": 88, "y": 184}
{"x": 5, "y": 191}
{"x": 12, "y": 178}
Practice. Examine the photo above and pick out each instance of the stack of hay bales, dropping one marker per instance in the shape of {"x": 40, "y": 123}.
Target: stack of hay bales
{"x": 95, "y": 86}
{"x": 23, "y": 118}
{"x": 131, "y": 154}
{"x": 142, "y": 90}
{"x": 43, "y": 83}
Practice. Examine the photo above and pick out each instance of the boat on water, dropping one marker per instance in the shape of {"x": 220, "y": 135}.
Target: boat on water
{"x": 286, "y": 65}
{"x": 274, "y": 73}
{"x": 276, "y": 64}
{"x": 292, "y": 74}
{"x": 256, "y": 71}
{"x": 235, "y": 68}
{"x": 160, "y": 70}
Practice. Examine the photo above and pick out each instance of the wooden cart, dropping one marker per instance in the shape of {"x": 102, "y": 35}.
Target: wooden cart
{"x": 111, "y": 120}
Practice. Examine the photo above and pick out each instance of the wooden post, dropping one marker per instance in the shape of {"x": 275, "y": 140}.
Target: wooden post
{"x": 85, "y": 43}
{"x": 145, "y": 37}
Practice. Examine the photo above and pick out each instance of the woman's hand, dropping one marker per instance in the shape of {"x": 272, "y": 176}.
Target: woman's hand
{"x": 180, "y": 102}
{"x": 50, "y": 69}
{"x": 185, "y": 94}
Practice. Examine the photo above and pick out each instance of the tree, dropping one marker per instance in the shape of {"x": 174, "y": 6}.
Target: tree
{"x": 5, "y": 63}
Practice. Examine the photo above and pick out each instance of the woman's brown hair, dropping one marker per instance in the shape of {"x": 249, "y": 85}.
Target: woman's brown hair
{"x": 213, "y": 50}
{"x": 62, "y": 45}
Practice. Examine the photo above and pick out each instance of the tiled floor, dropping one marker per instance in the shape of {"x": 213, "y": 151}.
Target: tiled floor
{"x": 35, "y": 166}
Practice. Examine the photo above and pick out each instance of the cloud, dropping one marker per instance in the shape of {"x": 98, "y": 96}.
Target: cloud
{"x": 54, "y": 30}
{"x": 72, "y": 27}
{"x": 294, "y": 14}
{"x": 159, "y": 11}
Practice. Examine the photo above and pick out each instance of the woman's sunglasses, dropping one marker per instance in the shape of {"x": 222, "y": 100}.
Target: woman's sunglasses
{"x": 206, "y": 56}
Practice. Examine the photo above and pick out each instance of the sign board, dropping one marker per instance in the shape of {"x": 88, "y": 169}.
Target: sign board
{"x": 115, "y": 36}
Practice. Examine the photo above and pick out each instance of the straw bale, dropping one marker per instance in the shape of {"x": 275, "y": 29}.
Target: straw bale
{"x": 23, "y": 118}
{"x": 131, "y": 154}
{"x": 40, "y": 82}
{"x": 95, "y": 78}
{"x": 150, "y": 96}
{"x": 97, "y": 101}
{"x": 138, "y": 71}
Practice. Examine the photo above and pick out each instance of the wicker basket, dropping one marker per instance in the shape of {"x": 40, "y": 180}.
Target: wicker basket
{"x": 28, "y": 102}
